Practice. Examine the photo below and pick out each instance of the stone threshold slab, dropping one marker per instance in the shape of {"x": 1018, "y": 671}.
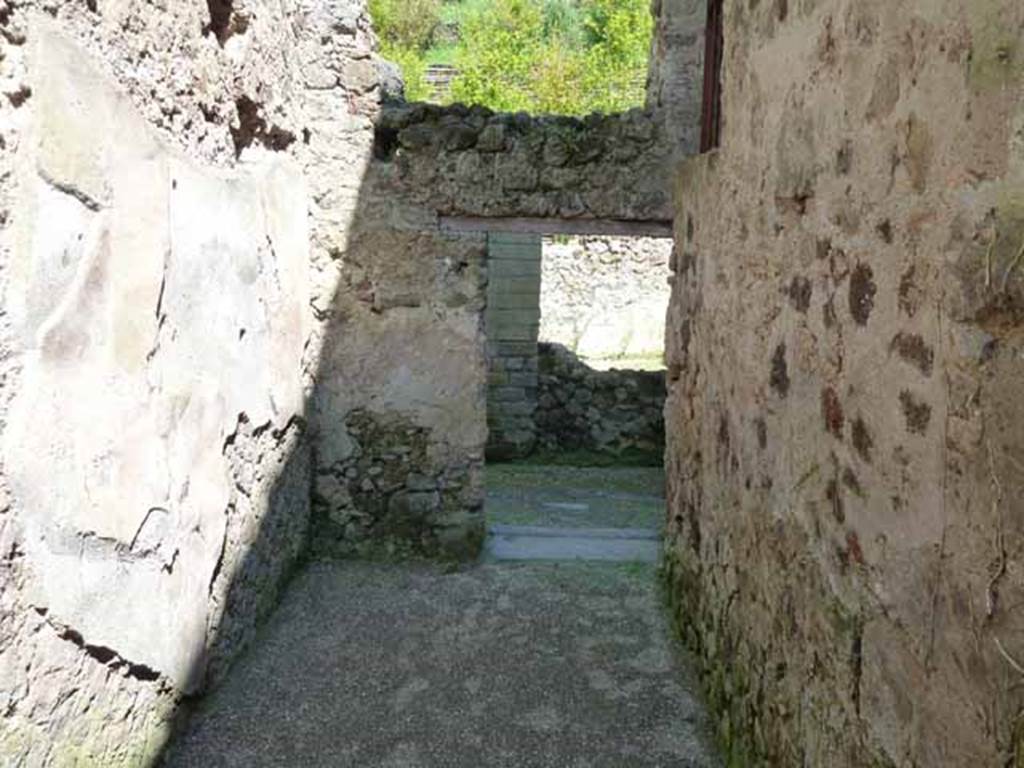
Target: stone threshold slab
{"x": 543, "y": 531}
{"x": 514, "y": 542}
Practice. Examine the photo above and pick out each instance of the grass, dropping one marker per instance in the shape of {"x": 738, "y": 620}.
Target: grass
{"x": 646, "y": 482}
{"x": 441, "y": 54}
{"x": 571, "y": 497}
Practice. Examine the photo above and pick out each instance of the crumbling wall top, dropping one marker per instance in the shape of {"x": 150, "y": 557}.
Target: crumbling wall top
{"x": 470, "y": 161}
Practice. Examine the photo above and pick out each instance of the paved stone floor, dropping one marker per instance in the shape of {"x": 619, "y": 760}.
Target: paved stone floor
{"x": 529, "y": 542}
{"x": 500, "y": 664}
{"x": 572, "y": 497}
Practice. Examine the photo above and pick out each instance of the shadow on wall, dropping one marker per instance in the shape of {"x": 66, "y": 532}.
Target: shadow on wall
{"x": 240, "y": 431}
{"x": 396, "y": 401}
{"x": 226, "y": 371}
{"x": 391, "y": 456}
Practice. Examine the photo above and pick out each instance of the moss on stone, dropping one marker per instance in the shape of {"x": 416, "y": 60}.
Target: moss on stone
{"x": 390, "y": 499}
{"x": 140, "y": 749}
{"x": 997, "y": 59}
{"x": 726, "y": 685}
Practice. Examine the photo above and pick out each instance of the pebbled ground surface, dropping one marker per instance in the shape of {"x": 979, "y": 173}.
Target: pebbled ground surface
{"x": 501, "y": 665}
{"x": 514, "y": 664}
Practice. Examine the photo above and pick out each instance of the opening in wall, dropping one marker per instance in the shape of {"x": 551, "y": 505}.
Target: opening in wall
{"x": 575, "y": 343}
{"x": 576, "y": 374}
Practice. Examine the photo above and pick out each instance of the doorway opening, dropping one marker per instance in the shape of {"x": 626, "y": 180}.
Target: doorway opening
{"x": 576, "y": 387}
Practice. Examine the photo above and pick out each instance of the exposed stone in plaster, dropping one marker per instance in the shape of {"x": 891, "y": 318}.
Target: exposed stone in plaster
{"x": 174, "y": 299}
{"x": 844, "y": 338}
{"x": 154, "y": 322}
{"x": 383, "y": 498}
{"x": 114, "y": 442}
{"x": 409, "y": 309}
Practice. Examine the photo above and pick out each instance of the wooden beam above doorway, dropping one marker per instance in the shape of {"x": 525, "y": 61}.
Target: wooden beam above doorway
{"x": 551, "y": 226}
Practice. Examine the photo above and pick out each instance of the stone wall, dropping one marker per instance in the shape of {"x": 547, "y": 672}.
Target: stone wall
{"x": 601, "y": 297}
{"x": 467, "y": 161}
{"x": 211, "y": 302}
{"x": 605, "y": 297}
{"x": 155, "y": 481}
{"x": 400, "y": 402}
{"x": 675, "y": 80}
{"x": 845, "y": 426}
{"x": 233, "y": 331}
{"x": 610, "y": 412}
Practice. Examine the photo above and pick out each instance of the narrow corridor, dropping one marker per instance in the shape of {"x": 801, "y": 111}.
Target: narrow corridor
{"x": 505, "y": 663}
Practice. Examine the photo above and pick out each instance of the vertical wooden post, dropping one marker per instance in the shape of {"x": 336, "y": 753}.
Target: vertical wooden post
{"x": 714, "y": 50}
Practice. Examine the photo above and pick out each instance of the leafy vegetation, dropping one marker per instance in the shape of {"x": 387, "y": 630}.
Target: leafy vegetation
{"x": 406, "y": 28}
{"x": 567, "y": 57}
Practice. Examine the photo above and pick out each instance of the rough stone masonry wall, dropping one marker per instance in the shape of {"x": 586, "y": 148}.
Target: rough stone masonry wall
{"x": 208, "y": 245}
{"x": 468, "y": 161}
{"x": 399, "y": 402}
{"x": 176, "y": 183}
{"x": 460, "y": 162}
{"x": 675, "y": 77}
{"x": 605, "y": 297}
{"x": 845, "y": 421}
{"x": 601, "y": 297}
{"x": 608, "y": 412}
{"x": 399, "y": 435}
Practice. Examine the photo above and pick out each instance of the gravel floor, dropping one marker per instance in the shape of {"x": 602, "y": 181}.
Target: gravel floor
{"x": 501, "y": 664}
{"x": 507, "y": 665}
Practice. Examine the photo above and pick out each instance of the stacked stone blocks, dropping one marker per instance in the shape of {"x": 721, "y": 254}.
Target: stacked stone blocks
{"x": 610, "y": 412}
{"x": 512, "y": 323}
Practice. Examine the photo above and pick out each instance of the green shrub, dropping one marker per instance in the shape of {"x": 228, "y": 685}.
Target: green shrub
{"x": 498, "y": 52}
{"x": 568, "y": 57}
{"x": 619, "y": 32}
{"x": 406, "y": 24}
{"x": 563, "y": 19}
{"x": 405, "y": 29}
{"x": 413, "y": 65}
{"x": 555, "y": 56}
